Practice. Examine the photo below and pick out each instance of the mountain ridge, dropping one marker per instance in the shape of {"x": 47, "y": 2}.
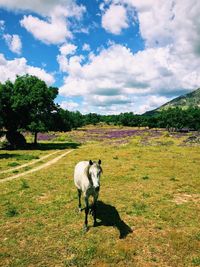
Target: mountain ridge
{"x": 185, "y": 101}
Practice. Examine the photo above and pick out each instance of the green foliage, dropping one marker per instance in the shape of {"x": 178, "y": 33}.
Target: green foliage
{"x": 196, "y": 261}
{"x": 26, "y": 104}
{"x": 171, "y": 119}
{"x": 92, "y": 118}
{"x": 177, "y": 118}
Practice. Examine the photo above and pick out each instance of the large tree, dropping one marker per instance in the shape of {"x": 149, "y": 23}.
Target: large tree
{"x": 27, "y": 104}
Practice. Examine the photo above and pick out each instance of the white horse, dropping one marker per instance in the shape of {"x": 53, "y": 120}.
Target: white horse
{"x": 87, "y": 180}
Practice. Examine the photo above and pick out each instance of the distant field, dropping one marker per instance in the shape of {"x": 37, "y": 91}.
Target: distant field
{"x": 150, "y": 184}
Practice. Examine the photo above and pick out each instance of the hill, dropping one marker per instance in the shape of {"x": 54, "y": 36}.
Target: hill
{"x": 185, "y": 101}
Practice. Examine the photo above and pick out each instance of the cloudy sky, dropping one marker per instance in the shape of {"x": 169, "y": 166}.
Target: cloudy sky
{"x": 107, "y": 56}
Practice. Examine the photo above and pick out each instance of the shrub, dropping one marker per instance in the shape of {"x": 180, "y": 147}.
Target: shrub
{"x": 146, "y": 177}
{"x": 13, "y": 164}
{"x": 12, "y": 211}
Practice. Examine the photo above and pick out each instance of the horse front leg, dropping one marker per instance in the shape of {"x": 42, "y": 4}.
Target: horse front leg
{"x": 95, "y": 211}
{"x": 79, "y": 200}
{"x": 85, "y": 228}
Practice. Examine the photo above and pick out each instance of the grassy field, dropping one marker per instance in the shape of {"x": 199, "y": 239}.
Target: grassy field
{"x": 148, "y": 209}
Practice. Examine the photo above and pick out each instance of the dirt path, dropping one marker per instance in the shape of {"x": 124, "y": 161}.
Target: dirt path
{"x": 29, "y": 163}
{"x": 50, "y": 162}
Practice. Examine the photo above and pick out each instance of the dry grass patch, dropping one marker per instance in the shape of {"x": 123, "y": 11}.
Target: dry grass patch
{"x": 184, "y": 198}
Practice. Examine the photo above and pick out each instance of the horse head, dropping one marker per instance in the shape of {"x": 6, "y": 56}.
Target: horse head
{"x": 95, "y": 171}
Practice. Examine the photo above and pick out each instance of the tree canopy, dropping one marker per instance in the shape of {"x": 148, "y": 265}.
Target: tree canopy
{"x": 27, "y": 104}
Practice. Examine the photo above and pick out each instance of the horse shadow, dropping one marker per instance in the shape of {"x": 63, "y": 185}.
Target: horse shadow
{"x": 109, "y": 216}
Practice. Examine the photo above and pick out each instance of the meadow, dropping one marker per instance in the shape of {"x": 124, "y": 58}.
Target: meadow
{"x": 148, "y": 210}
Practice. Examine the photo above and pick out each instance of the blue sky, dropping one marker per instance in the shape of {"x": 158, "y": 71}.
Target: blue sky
{"x": 106, "y": 56}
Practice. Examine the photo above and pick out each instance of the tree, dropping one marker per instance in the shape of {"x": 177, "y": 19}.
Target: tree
{"x": 27, "y": 104}
{"x": 61, "y": 120}
{"x": 92, "y": 118}
{"x": 9, "y": 117}
{"x": 76, "y": 119}
{"x": 193, "y": 118}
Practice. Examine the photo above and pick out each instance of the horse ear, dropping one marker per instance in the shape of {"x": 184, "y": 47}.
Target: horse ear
{"x": 90, "y": 162}
{"x": 99, "y": 162}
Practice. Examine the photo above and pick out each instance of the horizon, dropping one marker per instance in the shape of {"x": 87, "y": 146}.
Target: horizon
{"x": 106, "y": 57}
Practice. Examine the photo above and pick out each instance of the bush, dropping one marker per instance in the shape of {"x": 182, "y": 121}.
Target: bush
{"x": 11, "y": 211}
{"x": 16, "y": 139}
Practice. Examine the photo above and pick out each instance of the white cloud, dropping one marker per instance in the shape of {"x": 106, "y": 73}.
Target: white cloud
{"x": 2, "y": 25}
{"x": 69, "y": 105}
{"x": 14, "y": 43}
{"x": 156, "y": 19}
{"x": 115, "y": 19}
{"x": 72, "y": 65}
{"x": 54, "y": 31}
{"x": 117, "y": 72}
{"x": 44, "y": 8}
{"x": 54, "y": 26}
{"x": 167, "y": 67}
{"x": 68, "y": 49}
{"x": 86, "y": 47}
{"x": 167, "y": 22}
{"x": 152, "y": 102}
{"x": 104, "y": 100}
{"x": 10, "y": 68}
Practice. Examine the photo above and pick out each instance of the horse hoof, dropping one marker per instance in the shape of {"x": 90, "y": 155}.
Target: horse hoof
{"x": 85, "y": 228}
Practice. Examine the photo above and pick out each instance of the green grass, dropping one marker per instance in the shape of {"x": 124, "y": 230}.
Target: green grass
{"x": 40, "y": 225}
{"x": 24, "y": 184}
{"x": 8, "y": 168}
{"x": 13, "y": 164}
{"x": 11, "y": 158}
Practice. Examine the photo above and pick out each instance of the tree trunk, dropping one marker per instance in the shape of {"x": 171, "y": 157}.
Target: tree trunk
{"x": 35, "y": 138}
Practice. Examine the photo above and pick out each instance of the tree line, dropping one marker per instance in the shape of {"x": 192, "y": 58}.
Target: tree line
{"x": 28, "y": 105}
{"x": 173, "y": 119}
